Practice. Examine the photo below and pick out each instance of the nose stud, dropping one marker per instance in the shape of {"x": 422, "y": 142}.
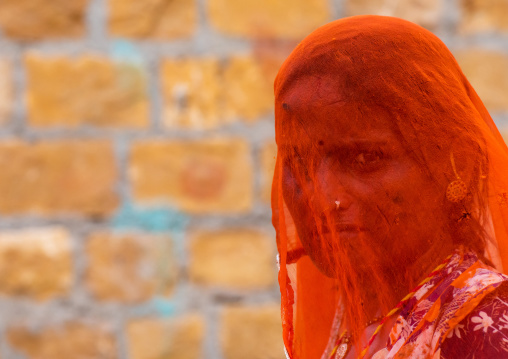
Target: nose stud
{"x": 337, "y": 204}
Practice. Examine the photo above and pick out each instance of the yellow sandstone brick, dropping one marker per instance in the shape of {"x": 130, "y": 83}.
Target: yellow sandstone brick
{"x": 54, "y": 177}
{"x": 252, "y": 332}
{"x": 268, "y": 18}
{"x": 268, "y": 157}
{"x": 6, "y": 91}
{"x": 72, "y": 340}
{"x": 238, "y": 259}
{"x": 248, "y": 91}
{"x": 35, "y": 262}
{"x": 202, "y": 94}
{"x": 89, "y": 90}
{"x": 424, "y": 12}
{"x": 40, "y": 19}
{"x": 211, "y": 176}
{"x": 162, "y": 19}
{"x": 488, "y": 73}
{"x": 192, "y": 93}
{"x": 484, "y": 16}
{"x": 179, "y": 338}
{"x": 130, "y": 268}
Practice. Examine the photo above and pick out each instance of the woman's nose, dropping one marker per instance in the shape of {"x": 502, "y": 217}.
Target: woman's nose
{"x": 332, "y": 189}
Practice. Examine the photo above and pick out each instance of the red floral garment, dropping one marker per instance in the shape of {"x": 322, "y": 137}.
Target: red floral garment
{"x": 457, "y": 299}
{"x": 484, "y": 332}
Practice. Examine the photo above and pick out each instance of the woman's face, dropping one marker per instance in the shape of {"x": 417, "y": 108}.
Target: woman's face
{"x": 390, "y": 209}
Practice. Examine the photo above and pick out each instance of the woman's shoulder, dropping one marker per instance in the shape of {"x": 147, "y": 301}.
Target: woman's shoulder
{"x": 483, "y": 333}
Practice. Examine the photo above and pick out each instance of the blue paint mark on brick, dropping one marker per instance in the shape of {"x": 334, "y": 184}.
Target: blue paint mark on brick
{"x": 154, "y": 219}
{"x": 125, "y": 52}
{"x": 157, "y": 306}
{"x": 164, "y": 307}
{"x": 150, "y": 219}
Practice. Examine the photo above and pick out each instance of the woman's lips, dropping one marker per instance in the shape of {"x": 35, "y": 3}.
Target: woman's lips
{"x": 349, "y": 228}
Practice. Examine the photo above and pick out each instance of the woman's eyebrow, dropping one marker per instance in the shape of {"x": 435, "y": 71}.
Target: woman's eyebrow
{"x": 335, "y": 144}
{"x": 343, "y": 143}
{"x": 358, "y": 143}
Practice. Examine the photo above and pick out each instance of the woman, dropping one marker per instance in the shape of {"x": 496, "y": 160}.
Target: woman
{"x": 389, "y": 199}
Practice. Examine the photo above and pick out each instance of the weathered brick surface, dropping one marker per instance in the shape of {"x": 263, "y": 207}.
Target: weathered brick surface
{"x": 488, "y": 73}
{"x": 484, "y": 16}
{"x": 177, "y": 338}
{"x": 130, "y": 267}
{"x": 266, "y": 18}
{"x": 268, "y": 155}
{"x": 204, "y": 94}
{"x": 55, "y": 177}
{"x": 424, "y": 12}
{"x": 192, "y": 92}
{"x": 252, "y": 332}
{"x": 72, "y": 340}
{"x": 39, "y": 19}
{"x": 162, "y": 19}
{"x": 239, "y": 259}
{"x": 248, "y": 91}
{"x": 88, "y": 90}
{"x": 6, "y": 90}
{"x": 212, "y": 176}
{"x": 35, "y": 262}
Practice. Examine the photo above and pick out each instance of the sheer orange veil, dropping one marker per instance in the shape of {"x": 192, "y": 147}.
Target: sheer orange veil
{"x": 376, "y": 67}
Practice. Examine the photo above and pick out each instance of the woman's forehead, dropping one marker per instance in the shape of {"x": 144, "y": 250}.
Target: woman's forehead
{"x": 312, "y": 91}
{"x": 303, "y": 117}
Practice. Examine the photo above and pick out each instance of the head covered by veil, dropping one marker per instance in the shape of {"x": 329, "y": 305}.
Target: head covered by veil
{"x": 387, "y": 161}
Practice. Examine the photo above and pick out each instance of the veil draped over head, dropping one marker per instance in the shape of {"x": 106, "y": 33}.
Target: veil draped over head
{"x": 365, "y": 76}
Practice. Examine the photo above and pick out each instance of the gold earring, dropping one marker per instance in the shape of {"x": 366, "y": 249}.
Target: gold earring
{"x": 457, "y": 189}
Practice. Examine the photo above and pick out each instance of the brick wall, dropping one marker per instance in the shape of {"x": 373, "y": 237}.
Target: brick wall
{"x": 136, "y": 150}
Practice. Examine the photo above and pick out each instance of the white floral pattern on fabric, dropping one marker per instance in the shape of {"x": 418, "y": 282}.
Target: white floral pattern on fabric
{"x": 504, "y": 320}
{"x": 484, "y": 322}
{"x": 442, "y": 304}
{"x": 475, "y": 342}
{"x": 456, "y": 331}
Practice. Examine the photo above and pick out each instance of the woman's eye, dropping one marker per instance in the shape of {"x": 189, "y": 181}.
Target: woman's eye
{"x": 366, "y": 159}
